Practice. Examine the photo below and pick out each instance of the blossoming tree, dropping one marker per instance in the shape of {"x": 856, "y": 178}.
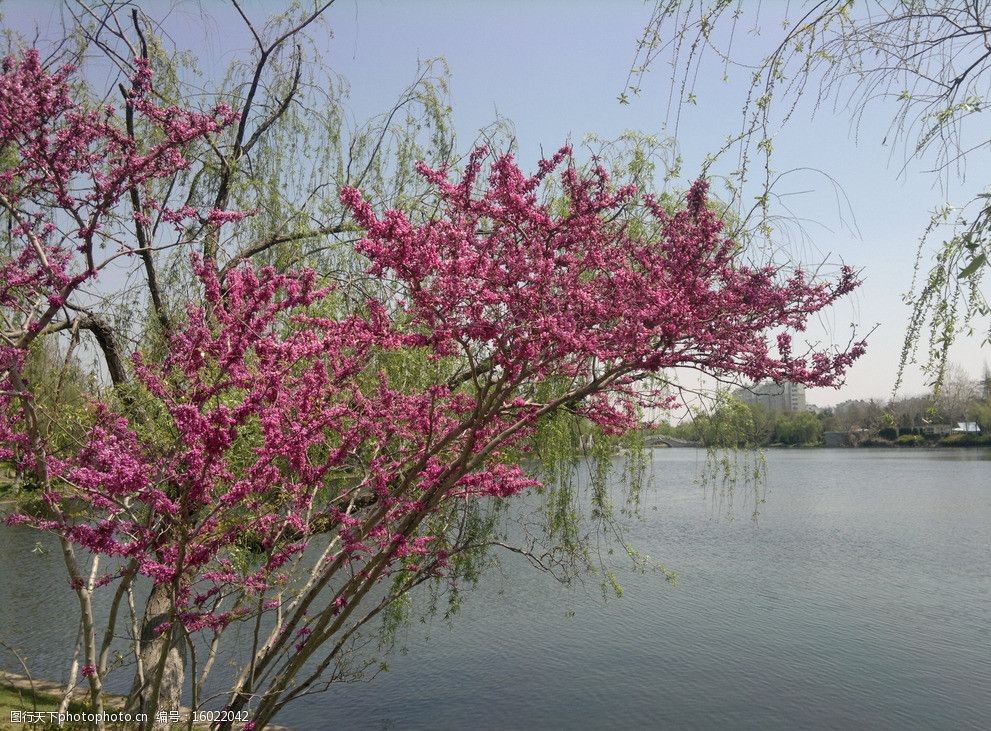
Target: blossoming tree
{"x": 292, "y": 466}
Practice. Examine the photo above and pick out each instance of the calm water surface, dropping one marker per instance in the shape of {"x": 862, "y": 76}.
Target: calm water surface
{"x": 861, "y": 599}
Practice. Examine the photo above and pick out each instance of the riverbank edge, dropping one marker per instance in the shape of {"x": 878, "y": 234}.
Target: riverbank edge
{"x": 45, "y": 693}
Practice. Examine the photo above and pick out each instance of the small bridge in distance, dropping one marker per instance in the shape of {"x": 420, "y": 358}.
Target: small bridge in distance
{"x": 664, "y": 440}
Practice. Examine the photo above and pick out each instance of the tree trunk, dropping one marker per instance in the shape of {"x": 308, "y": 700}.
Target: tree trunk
{"x": 158, "y": 680}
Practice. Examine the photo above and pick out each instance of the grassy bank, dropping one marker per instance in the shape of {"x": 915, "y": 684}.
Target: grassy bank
{"x": 17, "y": 696}
{"x": 14, "y": 699}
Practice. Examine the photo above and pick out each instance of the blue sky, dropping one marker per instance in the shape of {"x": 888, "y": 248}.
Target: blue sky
{"x": 555, "y": 68}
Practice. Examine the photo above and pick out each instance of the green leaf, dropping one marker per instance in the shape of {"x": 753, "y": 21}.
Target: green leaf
{"x": 976, "y": 263}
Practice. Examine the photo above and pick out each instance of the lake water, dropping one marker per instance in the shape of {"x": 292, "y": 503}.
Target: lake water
{"x": 860, "y": 599}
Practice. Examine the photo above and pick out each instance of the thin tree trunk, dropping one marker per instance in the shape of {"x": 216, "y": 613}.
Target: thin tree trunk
{"x": 163, "y": 661}
{"x": 70, "y": 684}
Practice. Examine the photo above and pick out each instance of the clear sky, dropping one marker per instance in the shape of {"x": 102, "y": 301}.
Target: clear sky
{"x": 555, "y": 68}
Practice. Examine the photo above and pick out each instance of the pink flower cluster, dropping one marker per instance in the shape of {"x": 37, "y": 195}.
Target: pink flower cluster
{"x": 74, "y": 164}
{"x": 549, "y": 294}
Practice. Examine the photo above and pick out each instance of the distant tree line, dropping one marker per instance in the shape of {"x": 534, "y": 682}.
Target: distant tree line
{"x": 905, "y": 420}
{"x": 733, "y": 423}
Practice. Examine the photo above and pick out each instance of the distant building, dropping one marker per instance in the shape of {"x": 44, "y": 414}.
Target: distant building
{"x": 967, "y": 427}
{"x": 935, "y": 430}
{"x": 836, "y": 439}
{"x": 773, "y": 396}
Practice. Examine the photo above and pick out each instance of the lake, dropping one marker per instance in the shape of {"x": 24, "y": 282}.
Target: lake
{"x": 861, "y": 598}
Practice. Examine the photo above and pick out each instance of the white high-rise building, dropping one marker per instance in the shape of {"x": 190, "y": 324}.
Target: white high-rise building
{"x": 785, "y": 396}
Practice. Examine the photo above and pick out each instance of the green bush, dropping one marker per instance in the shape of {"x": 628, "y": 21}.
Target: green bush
{"x": 800, "y": 428}
{"x": 966, "y": 440}
{"x": 910, "y": 440}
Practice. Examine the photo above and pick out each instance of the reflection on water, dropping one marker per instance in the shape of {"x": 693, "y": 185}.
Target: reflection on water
{"x": 861, "y": 599}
